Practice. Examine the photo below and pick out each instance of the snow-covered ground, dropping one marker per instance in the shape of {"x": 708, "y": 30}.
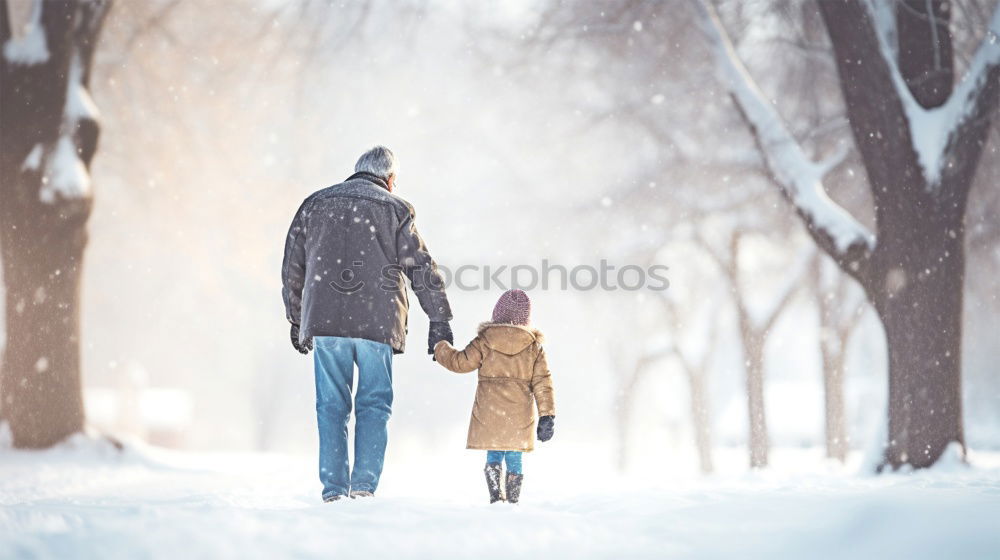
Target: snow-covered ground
{"x": 88, "y": 500}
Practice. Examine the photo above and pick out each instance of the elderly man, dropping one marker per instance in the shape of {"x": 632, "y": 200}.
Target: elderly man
{"x": 347, "y": 251}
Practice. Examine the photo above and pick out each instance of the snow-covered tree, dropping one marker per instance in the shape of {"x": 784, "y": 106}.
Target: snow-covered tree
{"x": 695, "y": 360}
{"x": 640, "y": 49}
{"x": 754, "y": 330}
{"x": 668, "y": 331}
{"x": 50, "y": 131}
{"x": 920, "y": 135}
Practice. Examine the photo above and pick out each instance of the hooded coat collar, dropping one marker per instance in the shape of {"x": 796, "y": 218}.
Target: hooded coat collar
{"x": 507, "y": 338}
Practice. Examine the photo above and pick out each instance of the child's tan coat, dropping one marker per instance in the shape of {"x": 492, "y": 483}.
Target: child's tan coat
{"x": 513, "y": 375}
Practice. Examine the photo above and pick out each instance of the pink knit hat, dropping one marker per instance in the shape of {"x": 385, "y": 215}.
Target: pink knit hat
{"x": 513, "y": 307}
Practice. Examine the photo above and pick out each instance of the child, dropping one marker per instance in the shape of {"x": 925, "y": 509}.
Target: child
{"x": 513, "y": 374}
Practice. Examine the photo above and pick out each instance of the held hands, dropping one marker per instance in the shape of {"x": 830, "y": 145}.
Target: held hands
{"x": 440, "y": 330}
{"x": 302, "y": 348}
{"x": 546, "y": 427}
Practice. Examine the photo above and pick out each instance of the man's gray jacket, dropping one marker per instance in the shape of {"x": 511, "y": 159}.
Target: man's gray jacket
{"x": 346, "y": 255}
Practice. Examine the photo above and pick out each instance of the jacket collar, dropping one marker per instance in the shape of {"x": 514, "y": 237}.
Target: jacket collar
{"x": 370, "y": 178}
{"x": 539, "y": 336}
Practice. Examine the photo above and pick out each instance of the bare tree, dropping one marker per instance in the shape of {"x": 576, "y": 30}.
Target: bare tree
{"x": 920, "y": 136}
{"x": 839, "y": 315}
{"x": 50, "y": 133}
{"x": 694, "y": 364}
{"x": 632, "y": 375}
{"x": 629, "y": 37}
{"x": 671, "y": 330}
{"x": 696, "y": 367}
{"x": 754, "y": 332}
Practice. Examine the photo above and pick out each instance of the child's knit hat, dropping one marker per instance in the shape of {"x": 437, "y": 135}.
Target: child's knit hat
{"x": 513, "y": 307}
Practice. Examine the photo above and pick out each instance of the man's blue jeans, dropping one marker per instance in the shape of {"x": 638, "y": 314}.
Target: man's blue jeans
{"x": 513, "y": 459}
{"x": 334, "y": 358}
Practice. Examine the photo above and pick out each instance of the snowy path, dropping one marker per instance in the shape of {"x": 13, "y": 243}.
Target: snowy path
{"x": 93, "y": 503}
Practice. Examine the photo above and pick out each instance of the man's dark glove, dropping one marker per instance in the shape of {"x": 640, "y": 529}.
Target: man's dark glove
{"x": 302, "y": 348}
{"x": 440, "y": 330}
{"x": 546, "y": 427}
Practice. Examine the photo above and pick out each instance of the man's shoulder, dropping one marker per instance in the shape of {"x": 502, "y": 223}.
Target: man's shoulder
{"x": 403, "y": 203}
{"x": 363, "y": 190}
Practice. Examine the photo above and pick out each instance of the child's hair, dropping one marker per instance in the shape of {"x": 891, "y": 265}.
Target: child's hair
{"x": 513, "y": 307}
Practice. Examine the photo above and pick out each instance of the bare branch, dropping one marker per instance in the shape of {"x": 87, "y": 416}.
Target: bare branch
{"x": 158, "y": 22}
{"x": 722, "y": 262}
{"x": 798, "y": 177}
{"x": 845, "y": 329}
{"x": 693, "y": 367}
{"x": 788, "y": 291}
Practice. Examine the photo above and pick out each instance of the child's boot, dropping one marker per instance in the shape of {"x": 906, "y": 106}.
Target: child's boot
{"x": 493, "y": 482}
{"x": 514, "y": 487}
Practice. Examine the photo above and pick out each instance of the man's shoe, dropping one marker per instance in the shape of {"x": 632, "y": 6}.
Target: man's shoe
{"x": 333, "y": 498}
{"x": 361, "y": 494}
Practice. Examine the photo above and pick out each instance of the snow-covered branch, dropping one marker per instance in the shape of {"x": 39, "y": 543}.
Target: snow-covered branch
{"x": 32, "y": 48}
{"x": 933, "y": 131}
{"x": 800, "y": 178}
{"x": 65, "y": 174}
{"x": 787, "y": 291}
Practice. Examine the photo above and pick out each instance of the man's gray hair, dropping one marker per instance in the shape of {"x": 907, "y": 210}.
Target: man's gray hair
{"x": 379, "y": 161}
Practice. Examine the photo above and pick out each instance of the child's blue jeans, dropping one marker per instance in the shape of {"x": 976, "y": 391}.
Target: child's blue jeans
{"x": 513, "y": 459}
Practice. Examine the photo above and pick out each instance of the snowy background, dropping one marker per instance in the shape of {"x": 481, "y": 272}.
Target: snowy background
{"x": 87, "y": 500}
{"x": 220, "y": 117}
{"x": 511, "y": 153}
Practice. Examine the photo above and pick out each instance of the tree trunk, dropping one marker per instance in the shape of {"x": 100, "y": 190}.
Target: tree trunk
{"x": 915, "y": 277}
{"x": 43, "y": 236}
{"x": 623, "y": 410}
{"x": 921, "y": 311}
{"x": 833, "y": 396}
{"x": 624, "y": 414}
{"x": 700, "y": 421}
{"x": 835, "y": 334}
{"x": 42, "y": 257}
{"x": 754, "y": 362}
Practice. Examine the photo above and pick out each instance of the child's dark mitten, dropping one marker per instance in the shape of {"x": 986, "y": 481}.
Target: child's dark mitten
{"x": 546, "y": 427}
